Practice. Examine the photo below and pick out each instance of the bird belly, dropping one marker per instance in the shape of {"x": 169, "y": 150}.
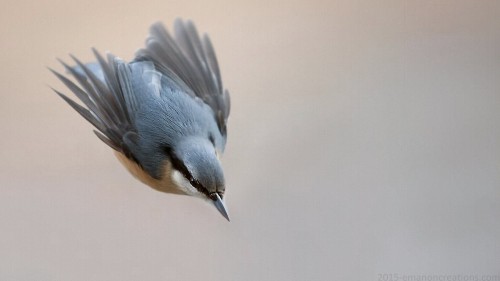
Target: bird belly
{"x": 165, "y": 184}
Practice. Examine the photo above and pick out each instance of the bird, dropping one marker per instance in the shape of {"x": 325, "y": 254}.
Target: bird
{"x": 164, "y": 113}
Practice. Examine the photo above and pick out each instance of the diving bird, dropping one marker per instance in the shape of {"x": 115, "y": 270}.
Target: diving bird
{"x": 164, "y": 113}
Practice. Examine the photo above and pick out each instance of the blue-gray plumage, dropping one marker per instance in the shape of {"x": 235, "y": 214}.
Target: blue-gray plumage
{"x": 164, "y": 113}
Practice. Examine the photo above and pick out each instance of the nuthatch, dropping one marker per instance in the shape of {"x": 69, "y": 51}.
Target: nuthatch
{"x": 164, "y": 113}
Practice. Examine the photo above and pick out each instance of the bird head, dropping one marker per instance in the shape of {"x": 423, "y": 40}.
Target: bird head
{"x": 196, "y": 171}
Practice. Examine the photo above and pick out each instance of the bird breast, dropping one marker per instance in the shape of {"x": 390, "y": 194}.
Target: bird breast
{"x": 165, "y": 184}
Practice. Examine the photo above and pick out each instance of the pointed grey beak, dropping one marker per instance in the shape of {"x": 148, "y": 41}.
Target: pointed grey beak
{"x": 219, "y": 204}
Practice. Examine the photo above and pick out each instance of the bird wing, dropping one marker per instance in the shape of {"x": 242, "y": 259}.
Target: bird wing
{"x": 109, "y": 106}
{"x": 189, "y": 60}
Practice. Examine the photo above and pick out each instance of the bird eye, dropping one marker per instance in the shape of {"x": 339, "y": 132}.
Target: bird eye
{"x": 179, "y": 166}
{"x": 190, "y": 178}
{"x": 192, "y": 182}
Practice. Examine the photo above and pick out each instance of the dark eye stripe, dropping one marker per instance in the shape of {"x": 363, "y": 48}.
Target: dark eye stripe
{"x": 179, "y": 166}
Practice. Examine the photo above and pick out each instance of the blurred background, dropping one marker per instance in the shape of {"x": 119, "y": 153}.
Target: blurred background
{"x": 364, "y": 140}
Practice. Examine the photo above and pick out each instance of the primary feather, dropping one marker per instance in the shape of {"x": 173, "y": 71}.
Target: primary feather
{"x": 187, "y": 58}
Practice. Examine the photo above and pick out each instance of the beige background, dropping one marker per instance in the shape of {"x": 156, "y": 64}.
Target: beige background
{"x": 364, "y": 139}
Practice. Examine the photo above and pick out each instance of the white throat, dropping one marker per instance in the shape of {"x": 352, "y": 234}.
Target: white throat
{"x": 184, "y": 185}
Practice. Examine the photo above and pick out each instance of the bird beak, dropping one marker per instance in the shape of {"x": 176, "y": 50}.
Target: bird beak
{"x": 219, "y": 204}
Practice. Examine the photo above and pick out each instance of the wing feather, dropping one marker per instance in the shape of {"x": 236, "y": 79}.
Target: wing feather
{"x": 105, "y": 105}
{"x": 191, "y": 61}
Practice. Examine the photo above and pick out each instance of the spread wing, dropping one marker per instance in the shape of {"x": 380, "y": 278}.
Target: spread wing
{"x": 190, "y": 59}
{"x": 109, "y": 105}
